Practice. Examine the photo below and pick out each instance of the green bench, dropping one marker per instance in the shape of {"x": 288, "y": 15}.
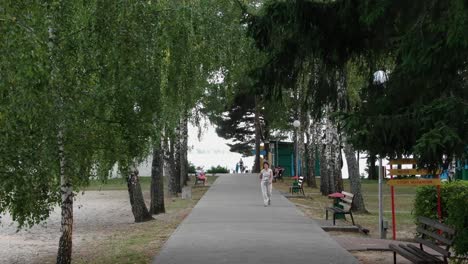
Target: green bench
{"x": 343, "y": 207}
{"x": 298, "y": 186}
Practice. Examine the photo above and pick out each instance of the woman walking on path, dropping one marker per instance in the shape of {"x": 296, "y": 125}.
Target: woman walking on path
{"x": 266, "y": 178}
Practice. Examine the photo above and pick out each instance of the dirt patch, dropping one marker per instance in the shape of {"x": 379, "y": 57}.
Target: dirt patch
{"x": 103, "y": 222}
{"x": 95, "y": 214}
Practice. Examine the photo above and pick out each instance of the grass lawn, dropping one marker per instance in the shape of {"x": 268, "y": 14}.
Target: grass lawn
{"x": 313, "y": 206}
{"x": 137, "y": 242}
{"x": 117, "y": 184}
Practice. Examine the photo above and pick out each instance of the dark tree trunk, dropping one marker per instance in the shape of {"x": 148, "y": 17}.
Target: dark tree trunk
{"x": 64, "y": 254}
{"x": 157, "y": 182}
{"x": 358, "y": 163}
{"x": 354, "y": 179}
{"x": 257, "y": 136}
{"x": 183, "y": 150}
{"x": 137, "y": 202}
{"x": 266, "y": 142}
{"x": 372, "y": 169}
{"x": 173, "y": 177}
{"x": 176, "y": 143}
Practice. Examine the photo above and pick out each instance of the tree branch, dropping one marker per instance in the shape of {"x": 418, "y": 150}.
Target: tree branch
{"x": 243, "y": 7}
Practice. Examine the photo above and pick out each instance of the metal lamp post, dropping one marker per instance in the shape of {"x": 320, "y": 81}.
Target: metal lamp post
{"x": 380, "y": 77}
{"x": 296, "y": 125}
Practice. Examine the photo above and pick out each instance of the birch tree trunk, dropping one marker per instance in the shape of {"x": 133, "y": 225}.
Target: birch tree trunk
{"x": 66, "y": 190}
{"x": 257, "y": 135}
{"x": 354, "y": 179}
{"x": 64, "y": 254}
{"x": 137, "y": 202}
{"x": 330, "y": 157}
{"x": 170, "y": 167}
{"x": 311, "y": 153}
{"x": 301, "y": 140}
{"x": 324, "y": 175}
{"x": 333, "y": 158}
{"x": 157, "y": 181}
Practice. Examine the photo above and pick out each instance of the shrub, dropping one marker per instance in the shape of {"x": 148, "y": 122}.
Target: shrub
{"x": 218, "y": 169}
{"x": 192, "y": 168}
{"x": 454, "y": 197}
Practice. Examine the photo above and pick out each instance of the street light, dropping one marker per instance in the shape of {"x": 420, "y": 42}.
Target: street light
{"x": 297, "y": 124}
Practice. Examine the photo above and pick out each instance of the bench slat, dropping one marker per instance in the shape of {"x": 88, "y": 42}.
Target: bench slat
{"x": 435, "y": 247}
{"x": 435, "y": 224}
{"x": 398, "y": 249}
{"x": 435, "y": 236}
{"x": 423, "y": 253}
{"x": 348, "y": 194}
{"x": 336, "y": 210}
{"x": 347, "y": 200}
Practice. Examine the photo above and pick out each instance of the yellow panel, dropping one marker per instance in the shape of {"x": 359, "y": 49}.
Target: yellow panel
{"x": 413, "y": 182}
{"x": 411, "y": 172}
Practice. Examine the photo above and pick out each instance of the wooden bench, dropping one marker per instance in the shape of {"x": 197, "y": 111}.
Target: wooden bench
{"x": 298, "y": 187}
{"x": 346, "y": 202}
{"x": 434, "y": 235}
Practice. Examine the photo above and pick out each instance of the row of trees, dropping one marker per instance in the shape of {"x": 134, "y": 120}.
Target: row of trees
{"x": 88, "y": 85}
{"x": 324, "y": 55}
{"x": 317, "y": 64}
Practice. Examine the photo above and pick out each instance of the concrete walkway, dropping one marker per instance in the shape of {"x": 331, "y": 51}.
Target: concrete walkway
{"x": 231, "y": 225}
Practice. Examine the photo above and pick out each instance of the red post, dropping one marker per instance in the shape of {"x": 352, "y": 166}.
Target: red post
{"x": 392, "y": 191}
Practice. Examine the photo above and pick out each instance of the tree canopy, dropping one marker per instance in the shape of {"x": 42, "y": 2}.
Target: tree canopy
{"x": 422, "y": 108}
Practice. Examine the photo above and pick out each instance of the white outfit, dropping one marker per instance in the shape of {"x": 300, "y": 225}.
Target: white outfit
{"x": 265, "y": 184}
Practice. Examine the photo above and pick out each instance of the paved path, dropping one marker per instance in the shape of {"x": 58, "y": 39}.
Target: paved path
{"x": 231, "y": 225}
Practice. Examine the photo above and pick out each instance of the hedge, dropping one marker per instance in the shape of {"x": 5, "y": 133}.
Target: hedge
{"x": 454, "y": 201}
{"x": 192, "y": 168}
{"x": 218, "y": 169}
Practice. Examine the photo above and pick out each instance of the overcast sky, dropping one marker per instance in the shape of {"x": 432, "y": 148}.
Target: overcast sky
{"x": 212, "y": 150}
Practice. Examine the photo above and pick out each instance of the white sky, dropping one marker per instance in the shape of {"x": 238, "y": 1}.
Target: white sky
{"x": 212, "y": 150}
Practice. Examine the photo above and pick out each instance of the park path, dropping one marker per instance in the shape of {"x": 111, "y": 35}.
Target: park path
{"x": 231, "y": 225}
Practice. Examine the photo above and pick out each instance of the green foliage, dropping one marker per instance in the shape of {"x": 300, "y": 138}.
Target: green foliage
{"x": 420, "y": 111}
{"x": 113, "y": 76}
{"x": 217, "y": 169}
{"x": 192, "y": 168}
{"x": 454, "y": 197}
{"x": 46, "y": 86}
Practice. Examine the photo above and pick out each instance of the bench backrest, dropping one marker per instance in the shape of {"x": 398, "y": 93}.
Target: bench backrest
{"x": 301, "y": 181}
{"x": 347, "y": 201}
{"x": 434, "y": 234}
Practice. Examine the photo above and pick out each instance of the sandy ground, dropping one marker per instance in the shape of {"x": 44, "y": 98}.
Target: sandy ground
{"x": 96, "y": 214}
